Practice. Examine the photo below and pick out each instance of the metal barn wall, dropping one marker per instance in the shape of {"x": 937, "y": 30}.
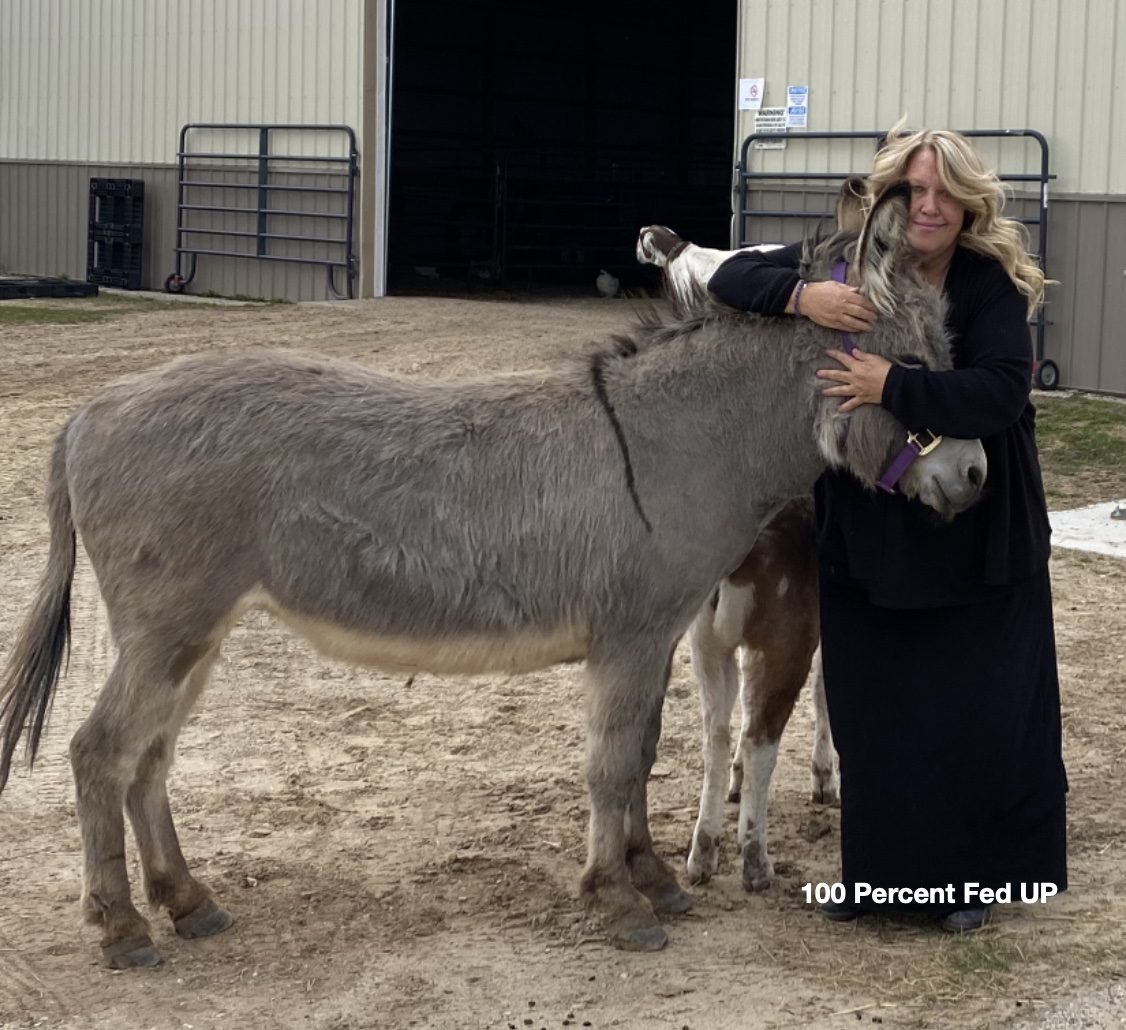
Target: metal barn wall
{"x": 102, "y": 87}
{"x": 1056, "y": 66}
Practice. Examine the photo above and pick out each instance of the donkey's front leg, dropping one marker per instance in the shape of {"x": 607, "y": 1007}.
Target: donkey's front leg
{"x": 651, "y": 875}
{"x": 625, "y": 686}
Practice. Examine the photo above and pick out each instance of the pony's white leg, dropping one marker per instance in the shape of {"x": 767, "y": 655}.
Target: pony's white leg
{"x": 772, "y": 680}
{"x": 758, "y": 753}
{"x": 168, "y": 884}
{"x": 738, "y": 774}
{"x": 713, "y": 662}
{"x": 688, "y": 266}
{"x": 693, "y": 267}
{"x": 626, "y": 683}
{"x": 825, "y": 782}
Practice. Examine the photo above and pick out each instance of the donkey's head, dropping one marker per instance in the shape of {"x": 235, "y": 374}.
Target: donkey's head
{"x": 910, "y": 331}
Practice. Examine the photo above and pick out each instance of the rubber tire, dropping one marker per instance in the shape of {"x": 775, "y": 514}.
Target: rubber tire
{"x": 1047, "y": 375}
{"x": 174, "y": 283}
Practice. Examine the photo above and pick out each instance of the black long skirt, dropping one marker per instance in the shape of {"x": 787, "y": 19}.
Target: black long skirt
{"x": 947, "y": 722}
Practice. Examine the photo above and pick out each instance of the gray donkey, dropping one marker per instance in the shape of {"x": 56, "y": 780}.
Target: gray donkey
{"x": 501, "y": 523}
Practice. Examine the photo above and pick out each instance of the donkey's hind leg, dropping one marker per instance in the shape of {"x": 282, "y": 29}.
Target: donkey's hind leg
{"x": 168, "y": 884}
{"x": 137, "y": 704}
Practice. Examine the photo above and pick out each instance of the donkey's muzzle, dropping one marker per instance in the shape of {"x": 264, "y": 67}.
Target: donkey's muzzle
{"x": 949, "y": 478}
{"x": 964, "y": 489}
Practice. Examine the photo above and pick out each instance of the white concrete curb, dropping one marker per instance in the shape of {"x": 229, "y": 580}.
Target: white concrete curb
{"x": 1092, "y": 528}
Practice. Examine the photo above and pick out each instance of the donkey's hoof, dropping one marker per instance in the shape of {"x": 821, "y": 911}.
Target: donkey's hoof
{"x": 735, "y": 784}
{"x": 636, "y": 931}
{"x": 205, "y": 920}
{"x": 670, "y": 899}
{"x": 758, "y": 869}
{"x": 131, "y": 953}
{"x": 825, "y": 792}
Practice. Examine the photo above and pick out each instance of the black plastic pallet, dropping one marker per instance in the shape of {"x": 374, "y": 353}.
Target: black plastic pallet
{"x": 27, "y": 287}
{"x": 115, "y": 232}
{"x": 117, "y": 187}
{"x": 122, "y": 280}
{"x": 112, "y": 232}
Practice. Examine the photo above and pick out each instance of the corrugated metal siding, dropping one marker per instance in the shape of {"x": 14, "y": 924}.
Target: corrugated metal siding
{"x": 43, "y": 230}
{"x": 103, "y": 87}
{"x": 112, "y": 81}
{"x": 43, "y": 217}
{"x": 1057, "y": 66}
{"x": 1087, "y": 310}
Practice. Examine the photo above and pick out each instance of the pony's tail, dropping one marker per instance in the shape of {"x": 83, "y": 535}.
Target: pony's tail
{"x": 42, "y": 646}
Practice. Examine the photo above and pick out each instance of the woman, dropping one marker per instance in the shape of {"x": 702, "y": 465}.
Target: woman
{"x": 937, "y": 638}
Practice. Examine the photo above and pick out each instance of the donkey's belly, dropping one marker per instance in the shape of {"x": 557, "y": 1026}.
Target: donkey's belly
{"x": 452, "y": 653}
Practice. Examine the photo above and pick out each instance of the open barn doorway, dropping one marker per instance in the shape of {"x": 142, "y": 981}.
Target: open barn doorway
{"x": 529, "y": 142}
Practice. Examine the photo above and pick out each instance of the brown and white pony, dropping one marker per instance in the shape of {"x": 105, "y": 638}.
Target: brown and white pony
{"x": 757, "y": 638}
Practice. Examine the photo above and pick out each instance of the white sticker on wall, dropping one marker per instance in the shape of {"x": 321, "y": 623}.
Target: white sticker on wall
{"x": 797, "y": 107}
{"x": 750, "y": 94}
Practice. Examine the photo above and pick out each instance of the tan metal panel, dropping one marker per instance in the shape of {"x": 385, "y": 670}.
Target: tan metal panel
{"x": 1112, "y": 366}
{"x": 43, "y": 212}
{"x": 1057, "y": 66}
{"x": 1089, "y": 268}
{"x": 113, "y": 80}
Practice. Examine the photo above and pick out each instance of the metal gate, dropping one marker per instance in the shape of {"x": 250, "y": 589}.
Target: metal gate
{"x": 749, "y": 180}
{"x": 239, "y": 198}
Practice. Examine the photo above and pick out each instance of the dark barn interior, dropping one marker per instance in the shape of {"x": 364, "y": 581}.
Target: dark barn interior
{"x": 530, "y": 142}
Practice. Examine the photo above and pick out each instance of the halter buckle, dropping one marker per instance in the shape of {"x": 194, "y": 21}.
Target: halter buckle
{"x": 916, "y": 440}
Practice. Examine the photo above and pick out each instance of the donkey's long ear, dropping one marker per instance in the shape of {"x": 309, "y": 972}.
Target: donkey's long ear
{"x": 882, "y": 249}
{"x": 850, "y": 204}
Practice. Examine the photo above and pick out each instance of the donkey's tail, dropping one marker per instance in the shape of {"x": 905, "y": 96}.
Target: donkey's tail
{"x": 42, "y": 645}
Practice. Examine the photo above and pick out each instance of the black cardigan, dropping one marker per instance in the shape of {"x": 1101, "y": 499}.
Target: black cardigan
{"x": 898, "y": 549}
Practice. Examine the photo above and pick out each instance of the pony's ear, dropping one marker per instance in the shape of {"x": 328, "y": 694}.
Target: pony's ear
{"x": 883, "y": 246}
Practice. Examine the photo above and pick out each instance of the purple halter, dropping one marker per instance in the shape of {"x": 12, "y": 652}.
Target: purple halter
{"x": 915, "y": 447}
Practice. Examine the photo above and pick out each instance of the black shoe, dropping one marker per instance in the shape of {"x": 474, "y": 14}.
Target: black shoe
{"x": 839, "y": 911}
{"x": 965, "y": 920}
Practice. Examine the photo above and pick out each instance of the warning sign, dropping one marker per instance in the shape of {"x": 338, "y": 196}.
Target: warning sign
{"x": 771, "y": 120}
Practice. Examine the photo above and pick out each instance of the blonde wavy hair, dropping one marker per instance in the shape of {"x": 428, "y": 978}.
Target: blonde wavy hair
{"x": 975, "y": 187}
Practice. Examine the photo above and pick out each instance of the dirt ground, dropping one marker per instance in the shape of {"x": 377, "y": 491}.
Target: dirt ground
{"x": 407, "y": 855}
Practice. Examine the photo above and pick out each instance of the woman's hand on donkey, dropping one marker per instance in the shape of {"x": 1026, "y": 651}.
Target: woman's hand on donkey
{"x": 835, "y": 306}
{"x": 861, "y": 381}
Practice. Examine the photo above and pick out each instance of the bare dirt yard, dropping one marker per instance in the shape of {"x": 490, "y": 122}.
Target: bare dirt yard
{"x": 407, "y": 854}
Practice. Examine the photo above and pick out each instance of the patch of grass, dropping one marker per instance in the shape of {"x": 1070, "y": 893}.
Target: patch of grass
{"x": 245, "y": 299}
{"x": 75, "y": 311}
{"x": 1082, "y": 443}
{"x": 27, "y": 314}
{"x": 982, "y": 956}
